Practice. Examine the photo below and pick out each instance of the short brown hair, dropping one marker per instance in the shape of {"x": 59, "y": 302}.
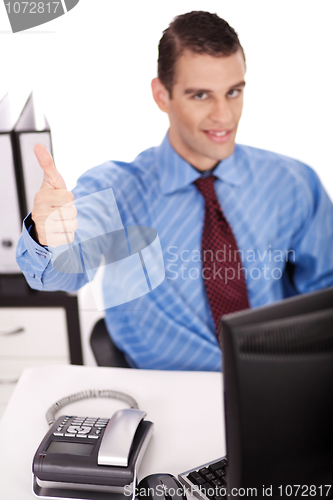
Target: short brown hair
{"x": 198, "y": 31}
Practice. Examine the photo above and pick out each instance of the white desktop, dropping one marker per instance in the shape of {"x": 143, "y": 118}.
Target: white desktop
{"x": 186, "y": 408}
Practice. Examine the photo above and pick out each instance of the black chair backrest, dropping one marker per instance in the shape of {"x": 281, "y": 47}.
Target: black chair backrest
{"x": 105, "y": 351}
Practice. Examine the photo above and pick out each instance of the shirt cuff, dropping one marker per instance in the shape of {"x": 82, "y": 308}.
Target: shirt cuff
{"x": 40, "y": 255}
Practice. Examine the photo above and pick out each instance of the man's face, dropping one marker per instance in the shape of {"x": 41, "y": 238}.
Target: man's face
{"x": 205, "y": 108}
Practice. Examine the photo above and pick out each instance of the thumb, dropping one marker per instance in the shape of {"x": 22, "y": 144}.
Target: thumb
{"x": 52, "y": 178}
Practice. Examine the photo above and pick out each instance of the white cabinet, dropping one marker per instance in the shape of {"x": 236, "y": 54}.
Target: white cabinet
{"x": 35, "y": 336}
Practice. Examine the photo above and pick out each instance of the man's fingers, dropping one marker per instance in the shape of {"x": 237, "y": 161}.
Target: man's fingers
{"x": 51, "y": 174}
{"x": 59, "y": 198}
{"x": 54, "y": 198}
{"x": 56, "y": 239}
{"x": 63, "y": 213}
{"x": 61, "y": 226}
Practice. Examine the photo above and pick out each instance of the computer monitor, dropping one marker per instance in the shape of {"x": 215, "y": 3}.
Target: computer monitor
{"x": 278, "y": 393}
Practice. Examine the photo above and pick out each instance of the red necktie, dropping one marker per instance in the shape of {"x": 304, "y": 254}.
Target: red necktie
{"x": 221, "y": 264}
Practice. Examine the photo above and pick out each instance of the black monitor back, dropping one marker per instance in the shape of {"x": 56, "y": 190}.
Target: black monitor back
{"x": 278, "y": 390}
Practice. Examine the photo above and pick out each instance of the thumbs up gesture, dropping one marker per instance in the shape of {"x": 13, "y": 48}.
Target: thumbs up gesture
{"x": 53, "y": 202}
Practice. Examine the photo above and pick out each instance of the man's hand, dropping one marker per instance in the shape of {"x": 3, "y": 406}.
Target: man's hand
{"x": 49, "y": 204}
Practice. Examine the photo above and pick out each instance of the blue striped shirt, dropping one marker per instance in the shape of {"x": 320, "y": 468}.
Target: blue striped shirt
{"x": 279, "y": 213}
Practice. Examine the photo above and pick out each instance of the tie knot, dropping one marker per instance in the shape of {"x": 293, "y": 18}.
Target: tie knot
{"x": 206, "y": 187}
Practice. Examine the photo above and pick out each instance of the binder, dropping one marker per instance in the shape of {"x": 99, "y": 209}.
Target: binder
{"x": 26, "y": 134}
{"x": 10, "y": 216}
{"x": 20, "y": 175}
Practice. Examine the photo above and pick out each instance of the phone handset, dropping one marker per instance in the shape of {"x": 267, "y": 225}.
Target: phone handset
{"x": 119, "y": 436}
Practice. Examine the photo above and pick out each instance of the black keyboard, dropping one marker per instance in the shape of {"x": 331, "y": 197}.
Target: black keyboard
{"x": 207, "y": 482}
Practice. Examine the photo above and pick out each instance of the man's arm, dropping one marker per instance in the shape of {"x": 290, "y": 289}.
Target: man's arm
{"x": 35, "y": 263}
{"x": 313, "y": 242}
{"x": 64, "y": 266}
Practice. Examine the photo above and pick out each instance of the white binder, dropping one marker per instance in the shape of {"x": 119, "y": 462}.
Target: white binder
{"x": 10, "y": 217}
{"x": 26, "y": 135}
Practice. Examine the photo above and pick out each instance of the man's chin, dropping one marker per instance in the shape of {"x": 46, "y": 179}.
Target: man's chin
{"x": 221, "y": 152}
{"x": 209, "y": 157}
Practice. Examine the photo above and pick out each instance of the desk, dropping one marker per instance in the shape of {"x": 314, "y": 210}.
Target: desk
{"x": 182, "y": 405}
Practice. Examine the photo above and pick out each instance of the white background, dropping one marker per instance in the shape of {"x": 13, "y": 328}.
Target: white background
{"x": 91, "y": 70}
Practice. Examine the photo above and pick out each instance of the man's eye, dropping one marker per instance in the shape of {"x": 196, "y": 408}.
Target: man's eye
{"x": 200, "y": 96}
{"x": 234, "y": 92}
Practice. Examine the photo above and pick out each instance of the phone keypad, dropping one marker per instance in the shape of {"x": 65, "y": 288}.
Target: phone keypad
{"x": 81, "y": 427}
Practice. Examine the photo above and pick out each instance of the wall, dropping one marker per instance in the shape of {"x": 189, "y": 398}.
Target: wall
{"x": 91, "y": 71}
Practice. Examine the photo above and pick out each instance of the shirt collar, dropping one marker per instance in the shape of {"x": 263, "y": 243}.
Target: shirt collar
{"x": 175, "y": 173}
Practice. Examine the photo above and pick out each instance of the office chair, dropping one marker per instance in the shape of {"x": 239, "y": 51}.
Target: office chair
{"x": 105, "y": 351}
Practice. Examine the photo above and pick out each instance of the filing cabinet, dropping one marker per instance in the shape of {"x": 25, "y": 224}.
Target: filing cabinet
{"x": 35, "y": 330}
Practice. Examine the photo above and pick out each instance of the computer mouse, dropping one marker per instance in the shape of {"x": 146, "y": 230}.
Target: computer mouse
{"x": 160, "y": 487}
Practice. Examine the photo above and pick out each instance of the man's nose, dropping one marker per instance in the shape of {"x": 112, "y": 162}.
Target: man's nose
{"x": 221, "y": 111}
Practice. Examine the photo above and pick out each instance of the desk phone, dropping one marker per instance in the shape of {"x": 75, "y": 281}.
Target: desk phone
{"x": 79, "y": 455}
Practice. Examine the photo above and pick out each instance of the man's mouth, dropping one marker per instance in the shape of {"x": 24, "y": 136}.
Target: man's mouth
{"x": 219, "y": 136}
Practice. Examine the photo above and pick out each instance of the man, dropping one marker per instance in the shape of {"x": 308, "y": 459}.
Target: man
{"x": 272, "y": 238}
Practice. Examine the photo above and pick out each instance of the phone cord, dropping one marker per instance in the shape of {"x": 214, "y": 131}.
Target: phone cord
{"x": 51, "y": 412}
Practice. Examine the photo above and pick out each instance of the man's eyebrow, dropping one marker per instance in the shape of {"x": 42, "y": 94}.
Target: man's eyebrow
{"x": 240, "y": 84}
{"x": 197, "y": 91}
{"x": 200, "y": 90}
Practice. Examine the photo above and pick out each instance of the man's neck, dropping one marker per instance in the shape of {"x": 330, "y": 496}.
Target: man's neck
{"x": 207, "y": 173}
{"x": 200, "y": 163}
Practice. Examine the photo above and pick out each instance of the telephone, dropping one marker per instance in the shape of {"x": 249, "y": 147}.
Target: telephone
{"x": 92, "y": 458}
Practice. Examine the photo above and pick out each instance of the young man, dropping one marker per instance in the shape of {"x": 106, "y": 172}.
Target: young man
{"x": 258, "y": 230}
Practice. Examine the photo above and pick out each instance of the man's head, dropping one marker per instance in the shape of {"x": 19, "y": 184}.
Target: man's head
{"x": 198, "y": 32}
{"x": 200, "y": 82}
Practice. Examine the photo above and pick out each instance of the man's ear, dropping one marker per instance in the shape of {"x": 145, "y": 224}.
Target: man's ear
{"x": 160, "y": 94}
